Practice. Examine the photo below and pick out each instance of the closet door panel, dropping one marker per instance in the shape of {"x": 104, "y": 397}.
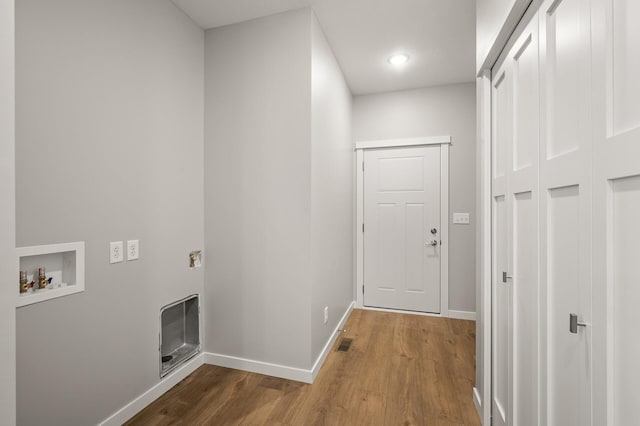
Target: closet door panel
{"x": 565, "y": 211}
{"x": 525, "y": 309}
{"x": 501, "y": 317}
{"x": 625, "y": 57}
{"x": 625, "y": 206}
{"x": 567, "y": 359}
{"x": 616, "y": 209}
{"x": 564, "y": 85}
{"x": 523, "y": 192}
{"x": 526, "y": 102}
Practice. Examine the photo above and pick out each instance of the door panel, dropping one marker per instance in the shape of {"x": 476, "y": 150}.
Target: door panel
{"x": 563, "y": 82}
{"x": 626, "y": 299}
{"x": 401, "y": 206}
{"x": 415, "y": 242}
{"x": 515, "y": 301}
{"x": 501, "y": 318}
{"x": 616, "y": 208}
{"x": 526, "y": 102}
{"x": 525, "y": 309}
{"x": 502, "y": 125}
{"x": 626, "y": 65}
{"x": 568, "y": 353}
{"x": 565, "y": 206}
{"x": 389, "y": 217}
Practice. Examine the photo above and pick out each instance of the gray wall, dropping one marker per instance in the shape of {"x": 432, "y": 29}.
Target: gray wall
{"x": 278, "y": 201}
{"x": 8, "y": 268}
{"x": 331, "y": 191}
{"x": 109, "y": 147}
{"x": 257, "y": 180}
{"x": 442, "y": 110}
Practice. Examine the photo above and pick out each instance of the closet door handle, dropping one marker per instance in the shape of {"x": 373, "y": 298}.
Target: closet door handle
{"x": 574, "y": 324}
{"x": 506, "y": 277}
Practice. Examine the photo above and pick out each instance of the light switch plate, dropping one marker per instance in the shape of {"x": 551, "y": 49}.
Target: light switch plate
{"x": 461, "y": 218}
{"x": 116, "y": 252}
{"x": 133, "y": 250}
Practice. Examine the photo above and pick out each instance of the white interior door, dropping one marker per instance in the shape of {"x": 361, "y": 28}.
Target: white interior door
{"x": 565, "y": 183}
{"x": 402, "y": 228}
{"x": 616, "y": 211}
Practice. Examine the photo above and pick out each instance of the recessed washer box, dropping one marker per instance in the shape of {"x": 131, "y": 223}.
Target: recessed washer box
{"x": 180, "y": 333}
{"x": 64, "y": 265}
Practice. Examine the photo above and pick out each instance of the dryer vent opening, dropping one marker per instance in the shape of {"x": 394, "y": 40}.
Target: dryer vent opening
{"x": 180, "y": 333}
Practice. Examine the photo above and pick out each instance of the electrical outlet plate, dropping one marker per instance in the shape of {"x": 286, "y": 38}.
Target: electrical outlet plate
{"x": 116, "y": 252}
{"x": 133, "y": 250}
{"x": 326, "y": 314}
{"x": 461, "y": 218}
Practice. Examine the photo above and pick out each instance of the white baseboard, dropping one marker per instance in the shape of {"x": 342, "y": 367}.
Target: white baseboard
{"x": 138, "y": 404}
{"x": 260, "y": 367}
{"x": 277, "y": 370}
{"x": 477, "y": 402}
{"x": 327, "y": 348}
{"x": 463, "y": 315}
{"x": 399, "y": 311}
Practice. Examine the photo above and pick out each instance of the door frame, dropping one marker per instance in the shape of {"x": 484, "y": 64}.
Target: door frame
{"x": 359, "y": 148}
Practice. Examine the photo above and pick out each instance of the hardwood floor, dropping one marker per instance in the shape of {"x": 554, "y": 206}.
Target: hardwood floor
{"x": 401, "y": 369}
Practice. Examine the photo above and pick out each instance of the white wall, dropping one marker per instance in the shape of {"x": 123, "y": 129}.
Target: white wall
{"x": 495, "y": 21}
{"x": 435, "y": 111}
{"x": 257, "y": 181}
{"x": 331, "y": 191}
{"x": 109, "y": 147}
{"x": 8, "y": 267}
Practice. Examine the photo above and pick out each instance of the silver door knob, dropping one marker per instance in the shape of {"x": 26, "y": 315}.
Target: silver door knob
{"x": 434, "y": 231}
{"x": 433, "y": 243}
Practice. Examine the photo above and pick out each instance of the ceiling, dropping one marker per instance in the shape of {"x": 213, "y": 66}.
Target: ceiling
{"x": 439, "y": 36}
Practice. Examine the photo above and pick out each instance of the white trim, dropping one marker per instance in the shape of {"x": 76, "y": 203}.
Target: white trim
{"x": 463, "y": 315}
{"x": 359, "y": 193}
{"x": 394, "y": 143}
{"x": 134, "y": 407}
{"x": 477, "y": 401}
{"x": 327, "y": 348}
{"x": 400, "y": 311}
{"x": 444, "y": 230}
{"x": 444, "y": 220}
{"x": 260, "y": 367}
{"x": 278, "y": 370}
{"x": 483, "y": 324}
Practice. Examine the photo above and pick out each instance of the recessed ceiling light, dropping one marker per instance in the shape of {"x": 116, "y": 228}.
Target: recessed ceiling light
{"x": 398, "y": 59}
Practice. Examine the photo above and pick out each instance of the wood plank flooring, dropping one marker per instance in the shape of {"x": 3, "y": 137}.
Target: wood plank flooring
{"x": 401, "y": 369}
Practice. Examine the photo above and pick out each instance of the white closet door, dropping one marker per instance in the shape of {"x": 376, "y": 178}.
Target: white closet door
{"x": 523, "y": 191}
{"x": 565, "y": 180}
{"x": 515, "y": 201}
{"x": 501, "y": 297}
{"x": 616, "y": 211}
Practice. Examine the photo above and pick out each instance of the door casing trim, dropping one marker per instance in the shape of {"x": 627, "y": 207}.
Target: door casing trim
{"x": 360, "y": 146}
